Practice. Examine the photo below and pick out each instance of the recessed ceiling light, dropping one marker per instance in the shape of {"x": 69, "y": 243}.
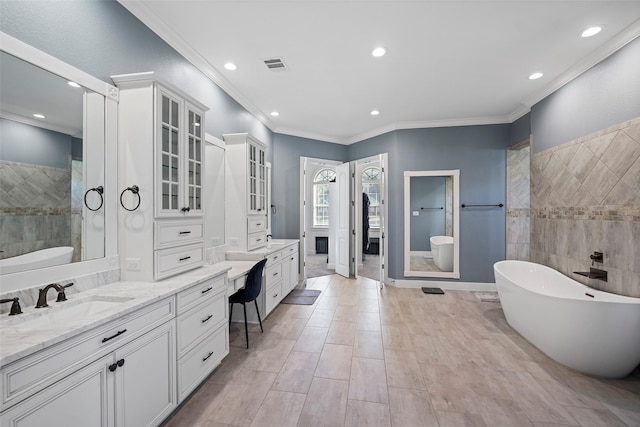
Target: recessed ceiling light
{"x": 230, "y": 66}
{"x": 374, "y": 112}
{"x": 39, "y": 116}
{"x": 535, "y": 76}
{"x": 591, "y": 31}
{"x": 275, "y": 113}
{"x": 378, "y": 52}
{"x": 73, "y": 84}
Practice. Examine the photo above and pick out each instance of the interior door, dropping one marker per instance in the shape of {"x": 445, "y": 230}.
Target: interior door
{"x": 383, "y": 215}
{"x": 342, "y": 232}
{"x": 303, "y": 218}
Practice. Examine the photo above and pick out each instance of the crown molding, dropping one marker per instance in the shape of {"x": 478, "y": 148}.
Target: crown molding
{"x": 158, "y": 26}
{"x": 142, "y": 12}
{"x": 603, "y": 52}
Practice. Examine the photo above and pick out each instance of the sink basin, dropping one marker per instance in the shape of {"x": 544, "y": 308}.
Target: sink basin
{"x": 68, "y": 311}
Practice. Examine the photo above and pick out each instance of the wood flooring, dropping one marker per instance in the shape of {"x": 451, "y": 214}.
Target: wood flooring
{"x": 361, "y": 356}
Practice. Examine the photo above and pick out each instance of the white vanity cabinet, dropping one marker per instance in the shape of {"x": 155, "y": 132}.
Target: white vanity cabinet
{"x": 203, "y": 333}
{"x": 122, "y": 373}
{"x": 161, "y": 151}
{"x": 246, "y": 192}
{"x": 290, "y": 267}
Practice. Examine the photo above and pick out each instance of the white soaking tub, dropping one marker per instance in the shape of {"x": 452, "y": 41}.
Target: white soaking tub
{"x": 591, "y": 331}
{"x": 37, "y": 259}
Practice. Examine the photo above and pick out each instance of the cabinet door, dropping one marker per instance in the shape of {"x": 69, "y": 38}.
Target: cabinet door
{"x": 170, "y": 163}
{"x": 145, "y": 388}
{"x": 293, "y": 270}
{"x": 257, "y": 179}
{"x": 79, "y": 400}
{"x": 194, "y": 167}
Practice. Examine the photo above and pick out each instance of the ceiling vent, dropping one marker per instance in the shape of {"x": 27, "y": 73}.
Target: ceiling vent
{"x": 275, "y": 64}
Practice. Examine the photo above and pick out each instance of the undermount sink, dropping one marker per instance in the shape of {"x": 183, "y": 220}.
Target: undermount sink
{"x": 71, "y": 310}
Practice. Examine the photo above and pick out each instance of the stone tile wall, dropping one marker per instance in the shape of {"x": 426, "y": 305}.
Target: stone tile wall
{"x": 35, "y": 208}
{"x": 585, "y": 197}
{"x": 518, "y": 202}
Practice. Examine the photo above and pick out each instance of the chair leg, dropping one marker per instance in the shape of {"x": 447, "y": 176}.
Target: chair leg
{"x": 258, "y": 311}
{"x": 246, "y": 328}
{"x": 230, "y": 313}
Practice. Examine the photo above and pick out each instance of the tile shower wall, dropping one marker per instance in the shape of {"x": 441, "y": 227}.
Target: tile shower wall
{"x": 585, "y": 197}
{"x": 35, "y": 204}
{"x": 518, "y": 201}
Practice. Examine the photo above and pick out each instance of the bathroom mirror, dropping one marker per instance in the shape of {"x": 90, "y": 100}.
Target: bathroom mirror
{"x": 431, "y": 228}
{"x": 52, "y": 166}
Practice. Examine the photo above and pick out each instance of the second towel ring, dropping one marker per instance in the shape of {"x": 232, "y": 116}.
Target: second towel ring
{"x": 135, "y": 190}
{"x": 100, "y": 190}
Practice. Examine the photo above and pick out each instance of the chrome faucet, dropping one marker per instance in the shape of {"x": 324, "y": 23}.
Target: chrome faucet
{"x": 42, "y": 294}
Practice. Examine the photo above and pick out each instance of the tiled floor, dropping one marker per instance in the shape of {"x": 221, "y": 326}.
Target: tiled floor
{"x": 395, "y": 357}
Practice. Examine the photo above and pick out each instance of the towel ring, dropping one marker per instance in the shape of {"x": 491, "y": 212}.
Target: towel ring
{"x": 135, "y": 190}
{"x": 98, "y": 190}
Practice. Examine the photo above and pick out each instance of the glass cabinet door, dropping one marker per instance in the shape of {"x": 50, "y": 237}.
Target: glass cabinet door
{"x": 253, "y": 178}
{"x": 194, "y": 165}
{"x": 170, "y": 154}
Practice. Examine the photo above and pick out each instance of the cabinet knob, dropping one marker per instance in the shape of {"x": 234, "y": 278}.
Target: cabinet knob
{"x": 186, "y": 209}
{"x": 120, "y": 362}
{"x": 207, "y": 318}
{"x": 207, "y": 356}
{"x": 113, "y": 367}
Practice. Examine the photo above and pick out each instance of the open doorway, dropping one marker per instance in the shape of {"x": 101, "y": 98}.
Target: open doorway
{"x": 328, "y": 219}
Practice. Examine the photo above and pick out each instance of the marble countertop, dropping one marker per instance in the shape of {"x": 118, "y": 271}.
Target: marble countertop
{"x": 36, "y": 329}
{"x": 258, "y": 254}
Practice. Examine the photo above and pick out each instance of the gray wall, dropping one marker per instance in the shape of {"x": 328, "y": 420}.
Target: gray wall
{"x": 479, "y": 153}
{"x": 520, "y": 130}
{"x": 33, "y": 145}
{"x": 103, "y": 39}
{"x": 427, "y": 192}
{"x": 287, "y": 150}
{"x": 605, "y": 95}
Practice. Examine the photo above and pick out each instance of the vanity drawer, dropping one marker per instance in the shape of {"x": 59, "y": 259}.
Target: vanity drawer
{"x": 33, "y": 373}
{"x": 273, "y": 274}
{"x": 256, "y": 240}
{"x": 256, "y": 223}
{"x": 177, "y": 260}
{"x": 200, "y": 321}
{"x": 194, "y": 367}
{"x": 290, "y": 250}
{"x": 274, "y": 258}
{"x": 175, "y": 233}
{"x": 199, "y": 293}
{"x": 273, "y": 297}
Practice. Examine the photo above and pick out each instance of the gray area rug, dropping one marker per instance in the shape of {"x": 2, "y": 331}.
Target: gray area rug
{"x": 301, "y": 297}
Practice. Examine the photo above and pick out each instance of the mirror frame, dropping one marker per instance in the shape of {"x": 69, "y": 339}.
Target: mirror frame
{"x": 27, "y": 279}
{"x": 455, "y": 174}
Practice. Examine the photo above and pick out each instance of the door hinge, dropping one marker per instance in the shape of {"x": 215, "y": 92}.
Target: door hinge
{"x": 382, "y": 201}
{"x": 382, "y": 170}
{"x": 353, "y": 260}
{"x": 353, "y": 203}
{"x": 353, "y": 232}
{"x": 383, "y": 266}
{"x": 353, "y": 175}
{"x": 304, "y": 234}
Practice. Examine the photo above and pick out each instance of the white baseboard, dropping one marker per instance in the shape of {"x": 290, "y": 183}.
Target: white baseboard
{"x": 453, "y": 286}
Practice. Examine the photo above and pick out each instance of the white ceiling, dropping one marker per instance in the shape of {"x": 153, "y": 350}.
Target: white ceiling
{"x": 447, "y": 63}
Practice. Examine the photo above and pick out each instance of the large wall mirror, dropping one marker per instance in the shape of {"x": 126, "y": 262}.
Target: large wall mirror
{"x": 53, "y": 138}
{"x": 431, "y": 224}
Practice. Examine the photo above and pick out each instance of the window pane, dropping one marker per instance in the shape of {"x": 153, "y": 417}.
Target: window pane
{"x": 165, "y": 109}
{"x": 174, "y": 113}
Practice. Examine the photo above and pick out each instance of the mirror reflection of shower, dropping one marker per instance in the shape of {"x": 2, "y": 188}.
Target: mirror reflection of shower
{"x": 431, "y": 218}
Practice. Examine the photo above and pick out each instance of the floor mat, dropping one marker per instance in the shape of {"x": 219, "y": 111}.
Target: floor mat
{"x": 301, "y": 297}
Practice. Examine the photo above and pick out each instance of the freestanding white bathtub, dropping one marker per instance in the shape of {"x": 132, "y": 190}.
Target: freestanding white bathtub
{"x": 591, "y": 331}
{"x": 38, "y": 259}
{"x": 442, "y": 251}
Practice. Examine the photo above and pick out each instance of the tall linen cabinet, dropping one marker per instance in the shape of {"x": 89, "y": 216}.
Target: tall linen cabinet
{"x": 161, "y": 153}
